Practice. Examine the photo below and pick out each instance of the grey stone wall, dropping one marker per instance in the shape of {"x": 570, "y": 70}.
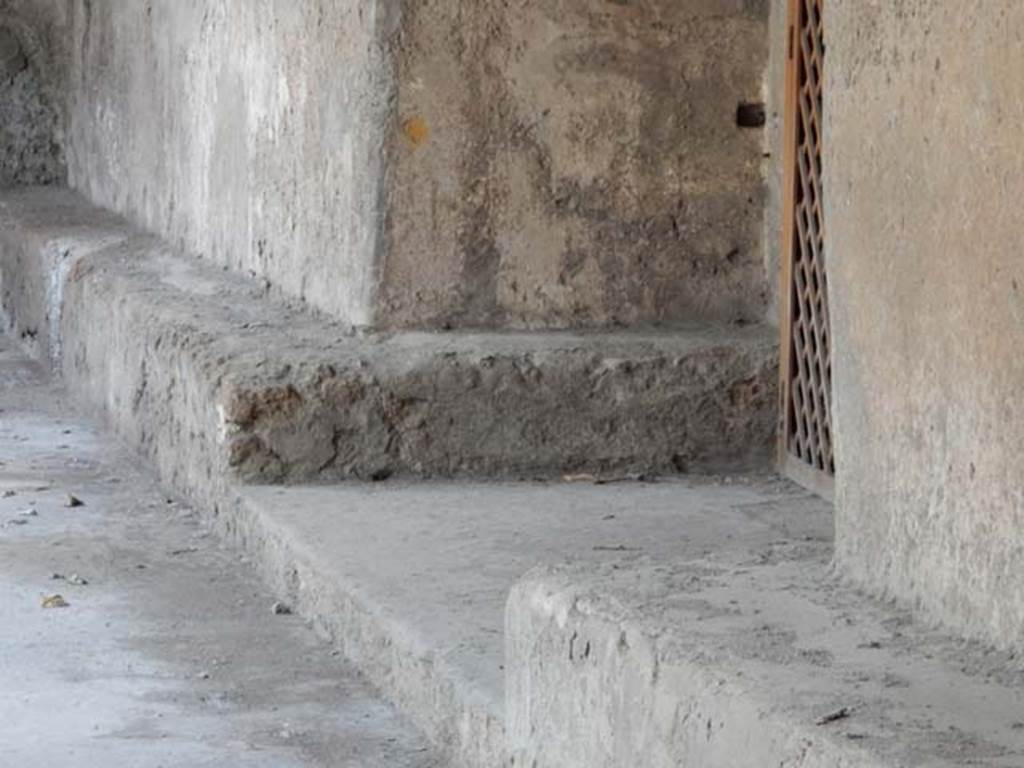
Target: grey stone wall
{"x": 250, "y": 132}
{"x": 486, "y": 164}
{"x": 775, "y": 101}
{"x": 924, "y": 106}
{"x": 31, "y": 150}
{"x": 577, "y": 164}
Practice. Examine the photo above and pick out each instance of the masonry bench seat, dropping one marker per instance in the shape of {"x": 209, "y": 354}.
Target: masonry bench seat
{"x": 220, "y": 381}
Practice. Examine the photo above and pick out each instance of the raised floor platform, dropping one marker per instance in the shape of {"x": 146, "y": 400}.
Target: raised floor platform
{"x": 220, "y": 382}
{"x": 686, "y": 622}
{"x": 764, "y": 660}
{"x": 412, "y": 580}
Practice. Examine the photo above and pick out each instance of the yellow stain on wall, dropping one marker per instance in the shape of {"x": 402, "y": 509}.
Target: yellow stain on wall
{"x": 416, "y": 130}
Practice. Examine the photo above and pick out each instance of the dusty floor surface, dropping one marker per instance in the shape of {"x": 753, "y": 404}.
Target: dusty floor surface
{"x": 171, "y": 655}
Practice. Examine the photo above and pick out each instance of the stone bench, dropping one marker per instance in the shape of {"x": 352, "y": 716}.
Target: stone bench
{"x": 221, "y": 382}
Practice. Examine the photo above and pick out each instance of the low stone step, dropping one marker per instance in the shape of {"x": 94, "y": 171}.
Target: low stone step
{"x": 745, "y": 662}
{"x": 219, "y": 382}
{"x": 411, "y": 580}
{"x": 684, "y": 622}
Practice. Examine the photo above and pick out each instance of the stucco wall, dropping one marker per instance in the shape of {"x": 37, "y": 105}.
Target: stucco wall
{"x": 925, "y": 178}
{"x": 576, "y": 163}
{"x": 248, "y": 131}
{"x": 530, "y": 164}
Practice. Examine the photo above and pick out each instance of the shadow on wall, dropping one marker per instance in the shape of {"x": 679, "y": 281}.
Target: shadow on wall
{"x": 30, "y": 150}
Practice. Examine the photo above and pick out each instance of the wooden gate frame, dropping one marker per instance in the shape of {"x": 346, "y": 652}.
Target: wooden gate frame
{"x": 815, "y": 479}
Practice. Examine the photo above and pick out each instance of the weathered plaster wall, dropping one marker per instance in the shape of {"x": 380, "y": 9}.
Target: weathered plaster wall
{"x": 536, "y": 163}
{"x": 31, "y": 80}
{"x": 571, "y": 163}
{"x": 775, "y": 102}
{"x": 925, "y": 177}
{"x": 248, "y": 131}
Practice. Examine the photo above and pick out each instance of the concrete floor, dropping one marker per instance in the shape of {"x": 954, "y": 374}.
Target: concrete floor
{"x": 171, "y": 655}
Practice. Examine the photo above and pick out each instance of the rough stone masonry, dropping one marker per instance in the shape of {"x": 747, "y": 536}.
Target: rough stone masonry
{"x": 30, "y": 148}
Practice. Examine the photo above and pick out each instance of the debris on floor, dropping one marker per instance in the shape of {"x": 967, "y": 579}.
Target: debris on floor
{"x": 74, "y": 579}
{"x": 55, "y": 601}
{"x": 631, "y": 477}
{"x": 834, "y": 717}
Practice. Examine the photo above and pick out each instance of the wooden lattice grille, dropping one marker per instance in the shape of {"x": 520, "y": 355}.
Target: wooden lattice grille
{"x": 806, "y": 435}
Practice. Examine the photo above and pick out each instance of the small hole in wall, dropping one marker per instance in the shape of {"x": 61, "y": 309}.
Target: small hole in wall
{"x": 12, "y": 55}
{"x": 750, "y": 115}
